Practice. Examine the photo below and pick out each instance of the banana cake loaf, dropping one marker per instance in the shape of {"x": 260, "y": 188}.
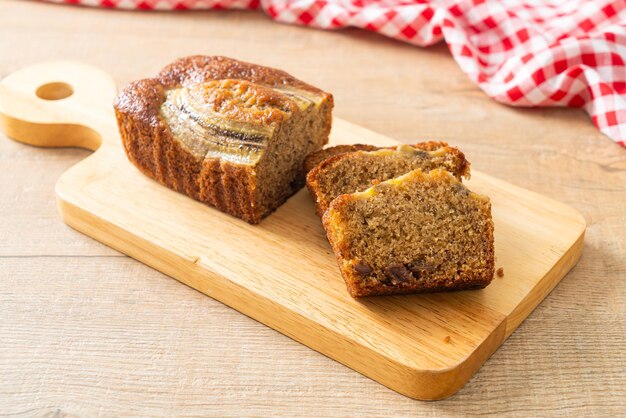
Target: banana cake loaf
{"x": 231, "y": 134}
{"x": 356, "y": 171}
{"x": 420, "y": 232}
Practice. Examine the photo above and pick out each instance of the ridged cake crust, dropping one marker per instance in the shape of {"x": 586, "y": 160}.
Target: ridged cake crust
{"x": 418, "y": 233}
{"x": 230, "y": 187}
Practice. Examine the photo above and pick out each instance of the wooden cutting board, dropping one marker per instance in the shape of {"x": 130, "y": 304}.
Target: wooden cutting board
{"x": 282, "y": 272}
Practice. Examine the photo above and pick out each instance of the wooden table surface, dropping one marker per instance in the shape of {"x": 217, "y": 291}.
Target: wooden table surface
{"x": 87, "y": 331}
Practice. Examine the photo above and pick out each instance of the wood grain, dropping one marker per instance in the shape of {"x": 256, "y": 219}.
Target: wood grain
{"x": 282, "y": 273}
{"x": 565, "y": 359}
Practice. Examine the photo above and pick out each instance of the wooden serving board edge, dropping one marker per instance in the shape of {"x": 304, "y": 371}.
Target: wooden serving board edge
{"x": 544, "y": 286}
{"x": 425, "y": 384}
{"x": 429, "y": 384}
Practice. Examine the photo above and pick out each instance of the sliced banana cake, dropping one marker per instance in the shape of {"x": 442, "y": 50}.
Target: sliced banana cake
{"x": 356, "y": 171}
{"x": 420, "y": 232}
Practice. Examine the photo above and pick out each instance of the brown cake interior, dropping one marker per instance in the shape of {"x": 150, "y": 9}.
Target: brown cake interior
{"x": 280, "y": 172}
{"x": 416, "y": 233}
{"x": 315, "y": 158}
{"x": 356, "y": 171}
{"x": 269, "y": 129}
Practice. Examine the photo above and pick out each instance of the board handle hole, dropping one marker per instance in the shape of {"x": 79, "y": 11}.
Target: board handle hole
{"x": 54, "y": 91}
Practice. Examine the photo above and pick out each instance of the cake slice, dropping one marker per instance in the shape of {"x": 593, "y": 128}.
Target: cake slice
{"x": 421, "y": 232}
{"x": 356, "y": 171}
{"x": 231, "y": 134}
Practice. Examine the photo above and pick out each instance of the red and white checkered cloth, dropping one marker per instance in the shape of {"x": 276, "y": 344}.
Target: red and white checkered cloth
{"x": 520, "y": 52}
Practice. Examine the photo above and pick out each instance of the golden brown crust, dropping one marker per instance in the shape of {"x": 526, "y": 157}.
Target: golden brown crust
{"x": 150, "y": 145}
{"x": 462, "y": 168}
{"x": 245, "y": 101}
{"x": 428, "y": 145}
{"x": 199, "y": 68}
{"x": 142, "y": 99}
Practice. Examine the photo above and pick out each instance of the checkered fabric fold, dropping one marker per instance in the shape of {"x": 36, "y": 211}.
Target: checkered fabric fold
{"x": 520, "y": 52}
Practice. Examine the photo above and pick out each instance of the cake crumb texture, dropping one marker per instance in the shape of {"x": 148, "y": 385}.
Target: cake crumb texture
{"x": 421, "y": 232}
